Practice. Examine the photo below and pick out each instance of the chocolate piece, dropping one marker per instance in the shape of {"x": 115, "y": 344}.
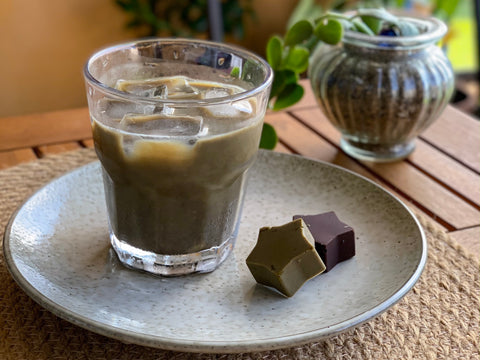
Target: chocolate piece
{"x": 284, "y": 257}
{"x": 334, "y": 240}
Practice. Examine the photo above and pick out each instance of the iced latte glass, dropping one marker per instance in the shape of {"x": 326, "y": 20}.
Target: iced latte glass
{"x": 176, "y": 125}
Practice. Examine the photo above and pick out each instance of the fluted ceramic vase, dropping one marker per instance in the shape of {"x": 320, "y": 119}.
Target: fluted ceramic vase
{"x": 381, "y": 92}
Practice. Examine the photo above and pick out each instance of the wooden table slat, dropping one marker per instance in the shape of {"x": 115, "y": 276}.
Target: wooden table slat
{"x": 408, "y": 180}
{"x": 300, "y": 138}
{"x": 58, "y": 148}
{"x": 438, "y": 165}
{"x": 15, "y": 157}
{"x": 447, "y": 170}
{"x": 87, "y": 143}
{"x": 437, "y": 199}
{"x": 458, "y": 135}
{"x": 282, "y": 148}
{"x": 43, "y": 129}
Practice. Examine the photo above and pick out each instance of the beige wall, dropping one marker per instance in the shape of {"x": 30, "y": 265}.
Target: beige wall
{"x": 44, "y": 44}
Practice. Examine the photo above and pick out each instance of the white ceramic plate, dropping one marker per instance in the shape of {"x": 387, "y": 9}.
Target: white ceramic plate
{"x": 57, "y": 249}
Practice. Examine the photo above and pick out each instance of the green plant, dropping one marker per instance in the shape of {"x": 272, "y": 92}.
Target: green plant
{"x": 185, "y": 18}
{"x": 289, "y": 55}
{"x": 309, "y": 25}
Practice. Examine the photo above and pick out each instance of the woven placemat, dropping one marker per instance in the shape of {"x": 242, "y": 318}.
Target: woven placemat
{"x": 438, "y": 319}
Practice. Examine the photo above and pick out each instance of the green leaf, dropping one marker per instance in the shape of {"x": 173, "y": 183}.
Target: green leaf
{"x": 361, "y": 27}
{"x": 298, "y": 33}
{"x": 278, "y": 84}
{"x": 343, "y": 19}
{"x": 380, "y": 14}
{"x": 274, "y": 52}
{"x": 282, "y": 78}
{"x": 289, "y": 77}
{"x": 332, "y": 15}
{"x": 373, "y": 23}
{"x": 269, "y": 137}
{"x": 297, "y": 59}
{"x": 329, "y": 31}
{"x": 291, "y": 94}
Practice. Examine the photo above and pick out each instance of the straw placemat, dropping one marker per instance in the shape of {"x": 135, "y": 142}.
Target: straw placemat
{"x": 438, "y": 319}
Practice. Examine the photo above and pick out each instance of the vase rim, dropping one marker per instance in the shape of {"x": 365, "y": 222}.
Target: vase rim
{"x": 436, "y": 29}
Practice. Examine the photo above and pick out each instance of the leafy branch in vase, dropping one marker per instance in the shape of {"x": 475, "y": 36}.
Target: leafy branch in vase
{"x": 289, "y": 55}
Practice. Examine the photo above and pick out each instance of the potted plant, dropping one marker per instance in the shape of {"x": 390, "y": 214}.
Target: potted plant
{"x": 379, "y": 78}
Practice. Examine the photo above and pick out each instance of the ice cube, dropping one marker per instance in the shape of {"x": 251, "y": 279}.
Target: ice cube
{"x": 176, "y": 83}
{"x": 214, "y": 93}
{"x": 167, "y": 110}
{"x": 114, "y": 109}
{"x": 239, "y": 109}
{"x": 149, "y": 109}
{"x": 244, "y": 106}
{"x": 155, "y": 92}
{"x": 221, "y": 111}
{"x": 145, "y": 88}
{"x": 176, "y": 87}
{"x": 161, "y": 124}
{"x": 180, "y": 88}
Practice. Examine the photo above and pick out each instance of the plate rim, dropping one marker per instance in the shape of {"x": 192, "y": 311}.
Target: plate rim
{"x": 211, "y": 346}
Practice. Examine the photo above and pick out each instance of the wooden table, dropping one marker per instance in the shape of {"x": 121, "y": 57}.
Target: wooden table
{"x": 441, "y": 179}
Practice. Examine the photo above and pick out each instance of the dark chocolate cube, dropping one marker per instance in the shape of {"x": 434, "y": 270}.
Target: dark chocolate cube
{"x": 334, "y": 240}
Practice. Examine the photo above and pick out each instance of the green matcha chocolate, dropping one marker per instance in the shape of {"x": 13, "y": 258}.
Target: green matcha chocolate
{"x": 285, "y": 257}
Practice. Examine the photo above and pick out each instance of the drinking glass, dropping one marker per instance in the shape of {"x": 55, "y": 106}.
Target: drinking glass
{"x": 176, "y": 125}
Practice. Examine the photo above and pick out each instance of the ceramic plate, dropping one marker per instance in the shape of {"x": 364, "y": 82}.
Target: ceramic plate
{"x": 57, "y": 249}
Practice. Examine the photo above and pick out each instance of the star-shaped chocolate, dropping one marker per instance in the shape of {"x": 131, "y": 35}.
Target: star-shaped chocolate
{"x": 334, "y": 240}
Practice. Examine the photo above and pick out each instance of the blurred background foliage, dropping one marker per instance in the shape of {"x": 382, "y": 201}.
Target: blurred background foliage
{"x": 190, "y": 18}
{"x": 185, "y": 18}
{"x": 61, "y": 35}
